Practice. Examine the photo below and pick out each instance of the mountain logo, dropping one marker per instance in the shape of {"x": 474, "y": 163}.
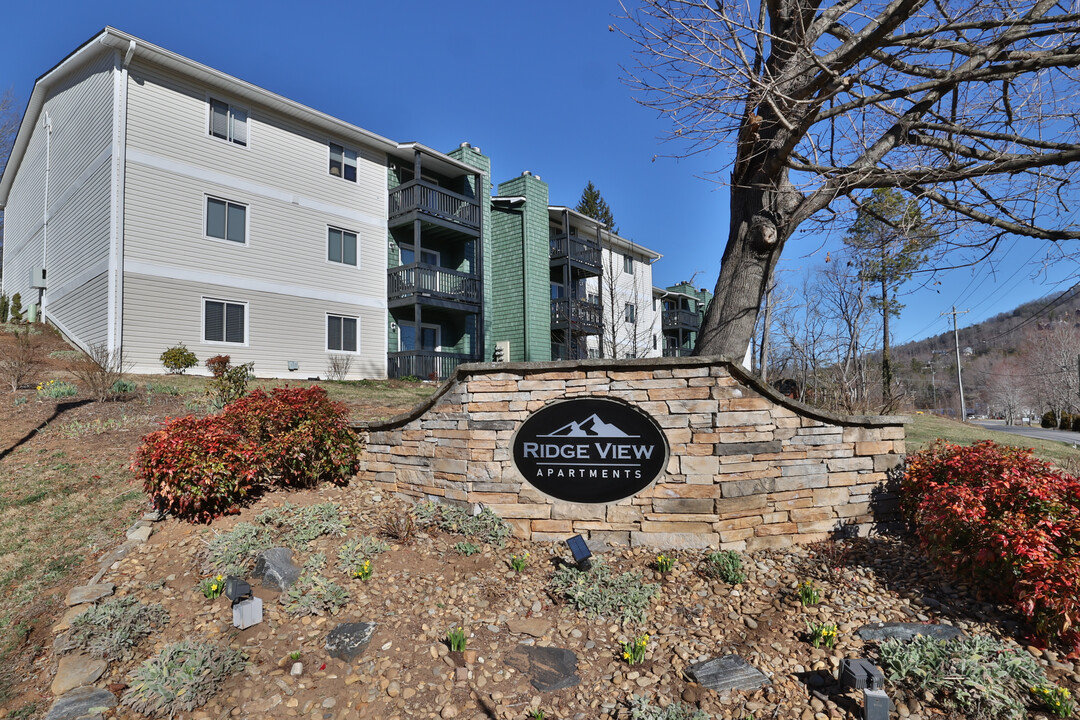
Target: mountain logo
{"x": 591, "y": 426}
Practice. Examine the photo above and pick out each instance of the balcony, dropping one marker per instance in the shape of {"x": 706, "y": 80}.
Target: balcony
{"x": 680, "y": 320}
{"x": 678, "y": 352}
{"x": 435, "y": 204}
{"x": 432, "y": 285}
{"x": 577, "y": 315}
{"x": 424, "y": 364}
{"x": 579, "y": 252}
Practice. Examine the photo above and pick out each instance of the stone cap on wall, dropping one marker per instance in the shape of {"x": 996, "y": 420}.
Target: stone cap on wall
{"x": 737, "y": 371}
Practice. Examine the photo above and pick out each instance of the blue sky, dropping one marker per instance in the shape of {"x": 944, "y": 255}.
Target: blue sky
{"x": 535, "y": 85}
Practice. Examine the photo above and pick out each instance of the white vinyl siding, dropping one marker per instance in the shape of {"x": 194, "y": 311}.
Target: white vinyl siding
{"x": 341, "y": 333}
{"x": 80, "y": 109}
{"x": 228, "y": 122}
{"x": 341, "y": 246}
{"x": 224, "y": 321}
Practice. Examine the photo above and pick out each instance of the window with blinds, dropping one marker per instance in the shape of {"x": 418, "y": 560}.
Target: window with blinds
{"x": 341, "y": 246}
{"x": 341, "y": 333}
{"x": 342, "y": 162}
{"x": 224, "y": 321}
{"x": 228, "y": 122}
{"x": 226, "y": 220}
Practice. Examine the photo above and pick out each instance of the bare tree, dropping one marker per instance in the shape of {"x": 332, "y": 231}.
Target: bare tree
{"x": 1007, "y": 390}
{"x": 1051, "y": 361}
{"x": 626, "y": 332}
{"x": 969, "y": 107}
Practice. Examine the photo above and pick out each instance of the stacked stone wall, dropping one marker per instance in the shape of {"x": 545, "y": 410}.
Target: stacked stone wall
{"x": 748, "y": 467}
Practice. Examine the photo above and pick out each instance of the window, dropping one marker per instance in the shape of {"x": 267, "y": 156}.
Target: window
{"x": 226, "y": 220}
{"x": 427, "y": 257}
{"x": 430, "y": 336}
{"x": 628, "y": 264}
{"x": 630, "y": 313}
{"x": 228, "y": 122}
{"x": 341, "y": 247}
{"x": 342, "y": 162}
{"x": 594, "y": 298}
{"x": 341, "y": 333}
{"x": 224, "y": 321}
{"x": 653, "y": 342}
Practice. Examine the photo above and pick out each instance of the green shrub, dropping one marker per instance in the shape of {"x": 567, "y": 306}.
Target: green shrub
{"x": 1066, "y": 422}
{"x": 234, "y": 552}
{"x": 725, "y": 565}
{"x": 123, "y": 387}
{"x": 300, "y": 525}
{"x": 485, "y": 525}
{"x": 229, "y": 383}
{"x": 5, "y": 304}
{"x": 1076, "y": 423}
{"x": 600, "y": 593}
{"x": 467, "y": 549}
{"x": 112, "y": 629}
{"x": 1049, "y": 419}
{"x": 178, "y": 358}
{"x": 155, "y": 388}
{"x": 353, "y": 553}
{"x": 314, "y": 595}
{"x": 15, "y": 310}
{"x": 183, "y": 676}
{"x": 977, "y": 676}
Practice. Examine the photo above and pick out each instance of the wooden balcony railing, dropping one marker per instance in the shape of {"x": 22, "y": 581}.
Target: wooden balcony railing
{"x": 578, "y": 314}
{"x": 432, "y": 281}
{"x": 675, "y": 319}
{"x": 425, "y": 364}
{"x": 582, "y": 251}
{"x": 434, "y": 200}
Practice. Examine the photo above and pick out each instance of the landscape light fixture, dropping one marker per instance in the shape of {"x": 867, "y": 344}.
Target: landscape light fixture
{"x": 580, "y": 551}
{"x": 246, "y": 608}
{"x": 861, "y": 674}
{"x": 236, "y": 589}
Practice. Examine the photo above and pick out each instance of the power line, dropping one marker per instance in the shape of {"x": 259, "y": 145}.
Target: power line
{"x": 1044, "y": 309}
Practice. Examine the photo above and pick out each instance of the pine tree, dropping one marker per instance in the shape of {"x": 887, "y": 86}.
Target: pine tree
{"x": 889, "y": 239}
{"x": 592, "y": 204}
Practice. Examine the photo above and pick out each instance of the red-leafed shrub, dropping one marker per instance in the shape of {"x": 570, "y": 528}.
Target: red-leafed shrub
{"x": 1008, "y": 519}
{"x": 306, "y": 436}
{"x": 199, "y": 468}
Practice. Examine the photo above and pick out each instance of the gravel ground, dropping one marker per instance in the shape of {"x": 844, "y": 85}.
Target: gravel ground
{"x": 420, "y": 590}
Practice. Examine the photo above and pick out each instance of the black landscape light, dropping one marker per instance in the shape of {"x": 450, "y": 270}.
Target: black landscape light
{"x": 861, "y": 674}
{"x": 236, "y": 589}
{"x": 581, "y": 552}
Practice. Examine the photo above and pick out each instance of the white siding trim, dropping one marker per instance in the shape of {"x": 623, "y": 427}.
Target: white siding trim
{"x": 114, "y": 305}
{"x": 241, "y": 282}
{"x": 180, "y": 168}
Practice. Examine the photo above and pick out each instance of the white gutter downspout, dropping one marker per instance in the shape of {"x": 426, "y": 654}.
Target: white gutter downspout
{"x": 115, "y": 328}
{"x": 47, "y": 124}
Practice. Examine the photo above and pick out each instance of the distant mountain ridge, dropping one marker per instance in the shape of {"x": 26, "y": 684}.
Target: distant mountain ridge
{"x": 591, "y": 426}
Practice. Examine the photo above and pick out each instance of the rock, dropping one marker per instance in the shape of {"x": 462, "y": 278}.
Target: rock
{"x": 70, "y": 614}
{"x": 548, "y": 668}
{"x": 534, "y": 627}
{"x": 730, "y": 672}
{"x": 140, "y": 534}
{"x": 297, "y": 669}
{"x": 907, "y": 631}
{"x": 75, "y": 671}
{"x": 750, "y": 623}
{"x": 449, "y": 711}
{"x": 79, "y": 702}
{"x": 691, "y": 693}
{"x": 88, "y": 593}
{"x": 348, "y": 641}
{"x": 276, "y": 569}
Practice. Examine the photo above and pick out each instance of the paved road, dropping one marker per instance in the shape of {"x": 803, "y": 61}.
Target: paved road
{"x": 1065, "y": 436}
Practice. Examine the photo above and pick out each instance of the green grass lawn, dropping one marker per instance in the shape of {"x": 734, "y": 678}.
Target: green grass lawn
{"x": 926, "y": 428}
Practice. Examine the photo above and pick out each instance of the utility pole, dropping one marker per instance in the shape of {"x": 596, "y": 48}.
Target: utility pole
{"x": 959, "y": 377}
{"x": 933, "y": 381}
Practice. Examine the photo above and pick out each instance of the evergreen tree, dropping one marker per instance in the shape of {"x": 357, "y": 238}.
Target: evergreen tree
{"x": 889, "y": 239}
{"x": 15, "y": 310}
{"x": 593, "y": 205}
{"x": 3, "y": 308}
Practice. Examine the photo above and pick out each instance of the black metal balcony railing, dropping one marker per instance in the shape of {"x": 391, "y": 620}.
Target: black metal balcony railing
{"x": 432, "y": 281}
{"x": 576, "y": 313}
{"x": 687, "y": 319}
{"x": 582, "y": 251}
{"x": 425, "y": 364}
{"x": 677, "y": 352}
{"x": 435, "y": 201}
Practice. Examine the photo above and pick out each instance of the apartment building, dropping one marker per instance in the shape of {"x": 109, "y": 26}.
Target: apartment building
{"x": 683, "y": 311}
{"x": 150, "y": 200}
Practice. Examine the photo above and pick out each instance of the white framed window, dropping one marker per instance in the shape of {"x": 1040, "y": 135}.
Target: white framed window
{"x": 226, "y": 220}
{"x": 342, "y": 162}
{"x": 228, "y": 122}
{"x": 628, "y": 264}
{"x": 342, "y": 333}
{"x": 630, "y": 312}
{"x": 224, "y": 321}
{"x": 593, "y": 298}
{"x": 341, "y": 246}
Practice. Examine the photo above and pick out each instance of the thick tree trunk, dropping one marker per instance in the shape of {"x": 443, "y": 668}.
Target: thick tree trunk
{"x": 756, "y": 238}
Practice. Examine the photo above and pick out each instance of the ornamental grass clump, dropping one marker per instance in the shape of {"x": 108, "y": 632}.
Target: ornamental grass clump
{"x": 725, "y": 565}
{"x": 183, "y": 676}
{"x": 1000, "y": 516}
{"x": 599, "y": 592}
{"x": 978, "y": 676}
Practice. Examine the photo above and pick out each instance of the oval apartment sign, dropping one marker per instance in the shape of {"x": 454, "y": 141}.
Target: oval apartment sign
{"x": 590, "y": 450}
